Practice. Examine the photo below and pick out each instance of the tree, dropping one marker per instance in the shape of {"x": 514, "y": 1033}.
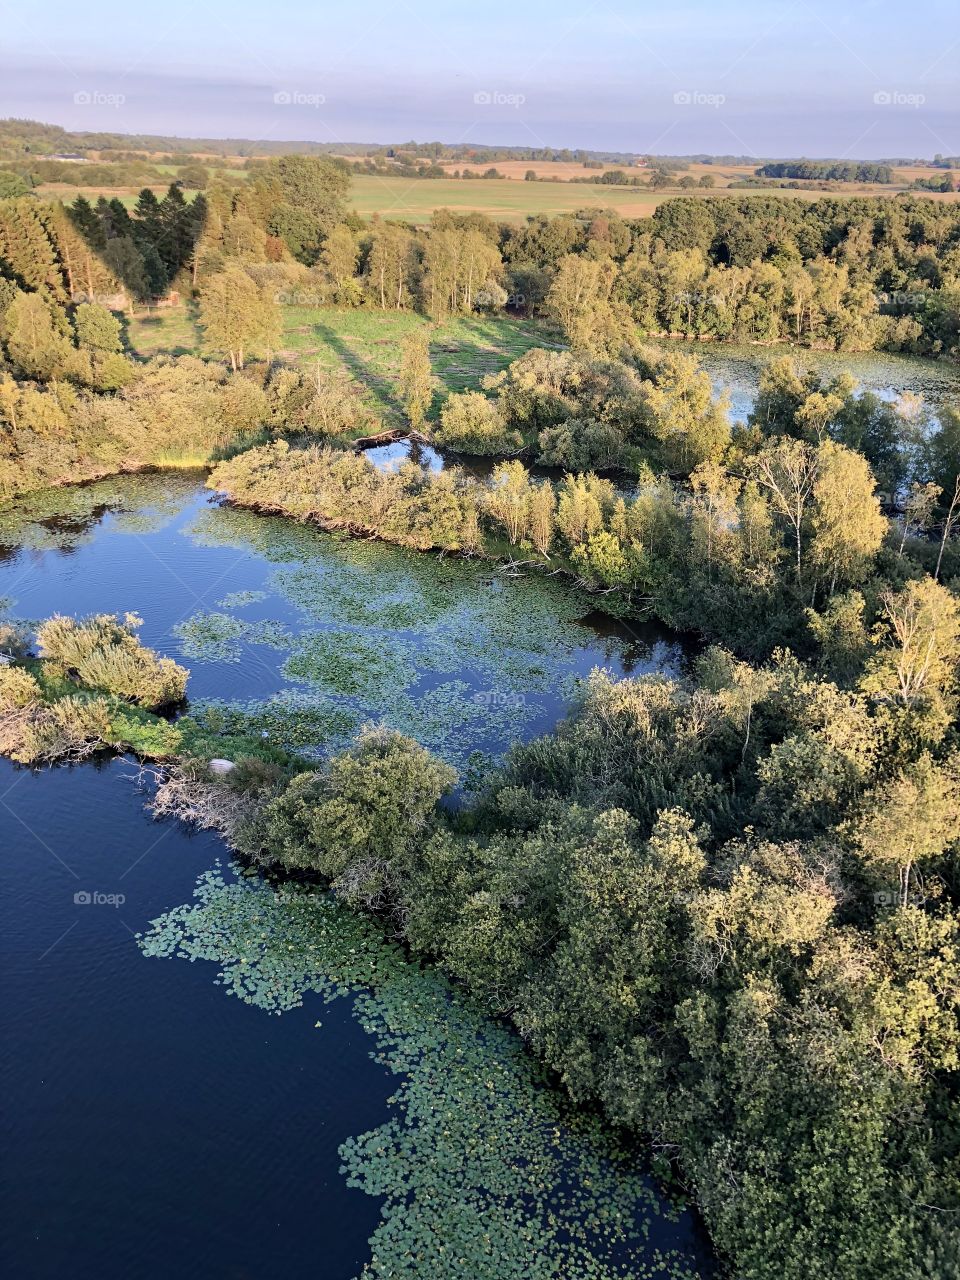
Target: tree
{"x": 313, "y": 184}
{"x": 918, "y": 651}
{"x": 359, "y": 818}
{"x": 194, "y": 176}
{"x": 680, "y": 411}
{"x": 472, "y": 423}
{"x": 12, "y": 185}
{"x": 508, "y": 499}
{"x": 918, "y": 508}
{"x": 846, "y": 525}
{"x": 542, "y": 508}
{"x": 339, "y": 257}
{"x": 910, "y": 819}
{"x": 579, "y": 301}
{"x": 786, "y": 470}
{"x": 97, "y": 328}
{"x": 949, "y": 523}
{"x": 390, "y": 265}
{"x": 416, "y": 377}
{"x": 36, "y": 338}
{"x": 235, "y": 316}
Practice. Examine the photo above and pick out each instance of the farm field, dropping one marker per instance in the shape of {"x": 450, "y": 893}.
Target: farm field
{"x": 415, "y": 199}
{"x": 511, "y": 199}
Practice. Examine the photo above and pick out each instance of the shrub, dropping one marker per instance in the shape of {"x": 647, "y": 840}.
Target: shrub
{"x": 355, "y": 821}
{"x": 18, "y": 689}
{"x": 471, "y": 423}
{"x": 70, "y": 728}
{"x": 103, "y": 652}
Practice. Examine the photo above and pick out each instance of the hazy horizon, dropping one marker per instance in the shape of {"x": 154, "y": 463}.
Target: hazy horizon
{"x": 600, "y": 76}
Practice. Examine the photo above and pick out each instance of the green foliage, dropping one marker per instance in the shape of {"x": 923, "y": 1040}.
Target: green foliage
{"x": 471, "y": 423}
{"x": 237, "y": 317}
{"x": 103, "y": 652}
{"x": 357, "y": 820}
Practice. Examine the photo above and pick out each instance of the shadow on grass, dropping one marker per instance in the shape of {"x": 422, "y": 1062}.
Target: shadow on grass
{"x": 157, "y": 325}
{"x": 480, "y": 346}
{"x": 381, "y": 388}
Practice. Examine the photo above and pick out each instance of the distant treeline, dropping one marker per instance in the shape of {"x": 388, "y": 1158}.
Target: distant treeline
{"x": 821, "y": 170}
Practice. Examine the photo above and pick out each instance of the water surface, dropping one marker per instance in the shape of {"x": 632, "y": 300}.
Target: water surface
{"x": 156, "y": 1127}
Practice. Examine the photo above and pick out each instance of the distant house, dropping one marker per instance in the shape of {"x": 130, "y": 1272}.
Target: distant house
{"x": 69, "y": 158}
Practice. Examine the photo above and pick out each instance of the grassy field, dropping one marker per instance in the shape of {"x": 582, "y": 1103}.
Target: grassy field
{"x": 507, "y": 199}
{"x": 366, "y": 343}
{"x": 414, "y": 199}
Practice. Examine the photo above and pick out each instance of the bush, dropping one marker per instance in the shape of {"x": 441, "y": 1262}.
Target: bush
{"x": 18, "y": 689}
{"x": 470, "y": 423}
{"x": 103, "y": 652}
{"x": 70, "y": 728}
{"x": 356, "y": 820}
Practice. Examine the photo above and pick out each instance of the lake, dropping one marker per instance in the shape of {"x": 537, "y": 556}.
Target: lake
{"x": 302, "y": 1098}
{"x": 736, "y": 368}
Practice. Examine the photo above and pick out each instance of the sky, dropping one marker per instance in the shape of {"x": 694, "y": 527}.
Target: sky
{"x": 860, "y": 80}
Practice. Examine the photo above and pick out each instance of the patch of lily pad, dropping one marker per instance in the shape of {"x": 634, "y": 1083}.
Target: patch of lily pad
{"x": 238, "y": 599}
{"x": 451, "y": 651}
{"x": 483, "y": 1169}
{"x": 220, "y": 637}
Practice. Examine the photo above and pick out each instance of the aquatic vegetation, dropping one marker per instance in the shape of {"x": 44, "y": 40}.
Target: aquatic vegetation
{"x": 212, "y": 637}
{"x": 219, "y": 637}
{"x": 352, "y": 663}
{"x": 237, "y": 599}
{"x": 384, "y": 626}
{"x": 65, "y": 518}
{"x": 308, "y": 724}
{"x": 483, "y": 1169}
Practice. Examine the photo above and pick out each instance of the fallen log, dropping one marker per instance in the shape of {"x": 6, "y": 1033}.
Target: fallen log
{"x": 391, "y": 436}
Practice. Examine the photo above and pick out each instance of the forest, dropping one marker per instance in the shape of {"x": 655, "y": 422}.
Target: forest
{"x": 723, "y": 907}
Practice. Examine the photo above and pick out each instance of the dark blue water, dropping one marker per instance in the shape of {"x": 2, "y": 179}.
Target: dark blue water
{"x": 154, "y": 1128}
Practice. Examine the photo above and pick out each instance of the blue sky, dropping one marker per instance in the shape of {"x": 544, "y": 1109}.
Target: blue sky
{"x": 814, "y": 78}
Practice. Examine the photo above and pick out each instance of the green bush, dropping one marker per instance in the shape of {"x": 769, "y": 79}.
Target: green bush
{"x": 472, "y": 423}
{"x": 357, "y": 819}
{"x": 103, "y": 652}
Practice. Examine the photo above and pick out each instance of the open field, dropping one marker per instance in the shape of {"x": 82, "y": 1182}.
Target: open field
{"x": 366, "y": 343}
{"x": 415, "y": 198}
{"x": 722, "y": 174}
{"x": 511, "y": 199}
